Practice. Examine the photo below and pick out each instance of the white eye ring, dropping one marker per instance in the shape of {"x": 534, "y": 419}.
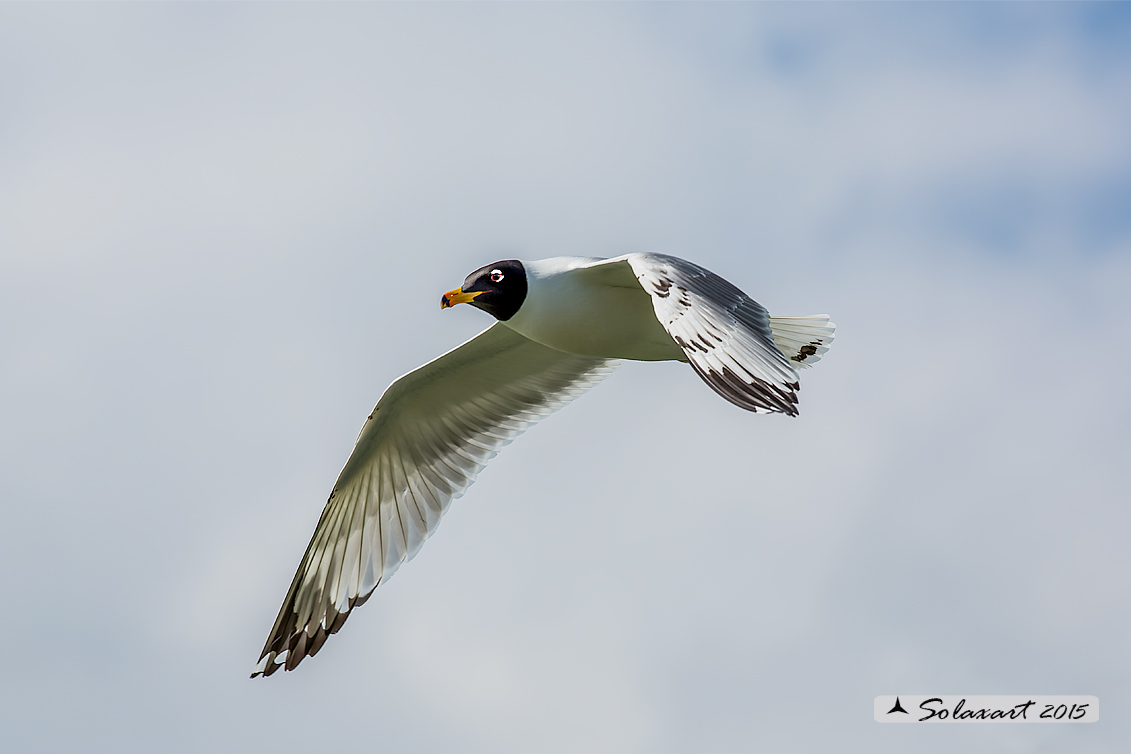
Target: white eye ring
{"x": 496, "y": 276}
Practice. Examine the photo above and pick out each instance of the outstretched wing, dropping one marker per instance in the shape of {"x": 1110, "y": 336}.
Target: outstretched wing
{"x": 724, "y": 334}
{"x": 431, "y": 433}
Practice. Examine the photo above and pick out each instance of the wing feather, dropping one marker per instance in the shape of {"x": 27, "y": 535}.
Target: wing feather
{"x": 725, "y": 334}
{"x": 429, "y": 436}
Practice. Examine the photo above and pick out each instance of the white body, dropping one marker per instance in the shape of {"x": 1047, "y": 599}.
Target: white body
{"x": 581, "y": 306}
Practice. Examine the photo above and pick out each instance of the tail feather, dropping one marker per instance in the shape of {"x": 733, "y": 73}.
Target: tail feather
{"x": 803, "y": 340}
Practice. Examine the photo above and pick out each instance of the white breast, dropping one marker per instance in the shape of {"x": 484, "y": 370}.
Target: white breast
{"x": 572, "y": 310}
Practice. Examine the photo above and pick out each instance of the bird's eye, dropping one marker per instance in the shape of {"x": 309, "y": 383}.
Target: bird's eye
{"x": 496, "y": 276}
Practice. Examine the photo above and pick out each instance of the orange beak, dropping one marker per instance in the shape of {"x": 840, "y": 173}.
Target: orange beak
{"x": 451, "y": 298}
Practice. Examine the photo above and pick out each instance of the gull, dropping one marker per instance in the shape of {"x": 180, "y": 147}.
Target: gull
{"x": 563, "y": 325}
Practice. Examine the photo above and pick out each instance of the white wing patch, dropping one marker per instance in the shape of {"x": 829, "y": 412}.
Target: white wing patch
{"x": 725, "y": 334}
{"x": 430, "y": 435}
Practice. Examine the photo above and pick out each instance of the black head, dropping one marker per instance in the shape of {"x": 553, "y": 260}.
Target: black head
{"x": 498, "y": 289}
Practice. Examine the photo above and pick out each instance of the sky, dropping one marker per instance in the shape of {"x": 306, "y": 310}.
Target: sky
{"x": 225, "y": 228}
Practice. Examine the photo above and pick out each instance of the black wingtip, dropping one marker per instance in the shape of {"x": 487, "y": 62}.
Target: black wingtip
{"x": 757, "y": 396}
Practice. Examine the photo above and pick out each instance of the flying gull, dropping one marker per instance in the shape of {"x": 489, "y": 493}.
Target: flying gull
{"x": 562, "y": 326}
